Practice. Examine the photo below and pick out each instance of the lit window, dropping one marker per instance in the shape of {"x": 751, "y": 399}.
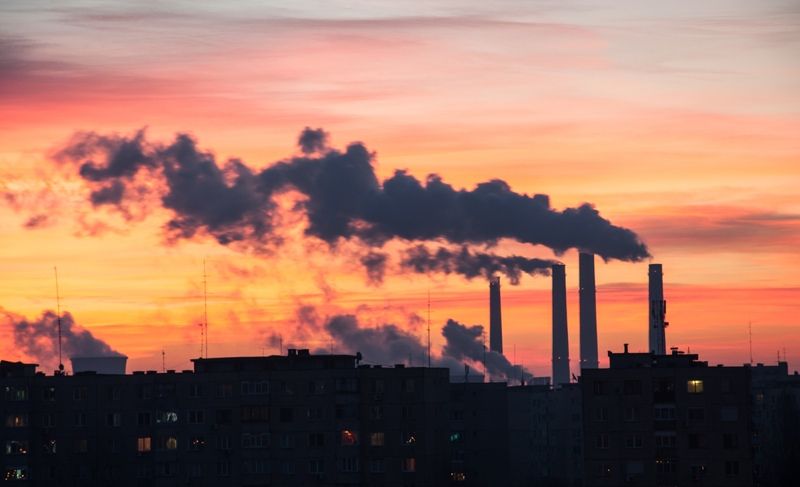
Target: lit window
{"x": 458, "y": 476}
{"x": 376, "y": 439}
{"x": 171, "y": 443}
{"x": 143, "y": 444}
{"x": 15, "y": 473}
{"x": 408, "y": 439}
{"x": 695, "y": 386}
{"x": 167, "y": 417}
{"x": 409, "y": 464}
{"x": 349, "y": 438}
{"x": 455, "y": 437}
{"x": 17, "y": 420}
{"x": 197, "y": 443}
{"x": 16, "y": 447}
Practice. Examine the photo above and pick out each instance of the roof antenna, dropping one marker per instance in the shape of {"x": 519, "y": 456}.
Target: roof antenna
{"x": 750, "y": 336}
{"x": 163, "y": 361}
{"x": 58, "y": 315}
{"x": 429, "y": 328}
{"x": 205, "y": 304}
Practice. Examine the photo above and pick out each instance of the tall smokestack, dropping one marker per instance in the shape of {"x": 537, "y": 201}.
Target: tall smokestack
{"x": 495, "y": 317}
{"x": 658, "y": 311}
{"x": 560, "y": 334}
{"x": 588, "y": 312}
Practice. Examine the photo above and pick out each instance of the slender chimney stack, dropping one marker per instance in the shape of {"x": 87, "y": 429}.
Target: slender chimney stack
{"x": 588, "y": 311}
{"x": 658, "y": 311}
{"x": 560, "y": 334}
{"x": 495, "y": 317}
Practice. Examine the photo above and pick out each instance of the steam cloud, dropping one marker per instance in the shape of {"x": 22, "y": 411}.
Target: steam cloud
{"x": 389, "y": 344}
{"x": 38, "y": 339}
{"x": 473, "y": 264}
{"x": 343, "y": 201}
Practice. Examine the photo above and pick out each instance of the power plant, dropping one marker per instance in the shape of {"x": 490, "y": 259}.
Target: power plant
{"x": 561, "y": 372}
{"x": 495, "y": 316}
{"x": 588, "y": 311}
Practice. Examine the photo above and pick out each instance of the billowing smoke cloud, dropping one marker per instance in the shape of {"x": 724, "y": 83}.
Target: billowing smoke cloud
{"x": 38, "y": 339}
{"x": 390, "y": 344}
{"x": 473, "y": 264}
{"x": 343, "y": 199}
{"x": 465, "y": 343}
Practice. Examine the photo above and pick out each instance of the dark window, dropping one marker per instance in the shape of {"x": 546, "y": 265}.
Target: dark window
{"x": 143, "y": 418}
{"x": 694, "y": 440}
{"x": 599, "y": 387}
{"x": 730, "y": 441}
{"x": 224, "y": 416}
{"x": 632, "y": 387}
{"x": 731, "y": 468}
{"x": 696, "y": 414}
{"x": 79, "y": 393}
{"x": 316, "y": 440}
{"x": 255, "y": 414}
{"x": 195, "y": 390}
{"x": 286, "y": 415}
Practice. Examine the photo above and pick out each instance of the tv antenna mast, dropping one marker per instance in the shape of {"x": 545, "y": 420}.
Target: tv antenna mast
{"x": 750, "y": 338}
{"x": 205, "y": 306}
{"x": 58, "y": 316}
{"x": 429, "y": 328}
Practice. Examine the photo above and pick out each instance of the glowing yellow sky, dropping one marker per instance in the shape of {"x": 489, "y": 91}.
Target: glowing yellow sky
{"x": 679, "y": 121}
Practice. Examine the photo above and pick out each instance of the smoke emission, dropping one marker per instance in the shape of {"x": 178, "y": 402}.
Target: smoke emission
{"x": 343, "y": 200}
{"x": 465, "y": 343}
{"x": 38, "y": 339}
{"x": 473, "y": 264}
{"x": 390, "y": 344}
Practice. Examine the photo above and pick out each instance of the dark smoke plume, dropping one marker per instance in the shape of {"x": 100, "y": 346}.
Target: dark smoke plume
{"x": 464, "y": 343}
{"x": 38, "y": 339}
{"x": 389, "y": 344}
{"x": 473, "y": 264}
{"x": 375, "y": 264}
{"x": 343, "y": 198}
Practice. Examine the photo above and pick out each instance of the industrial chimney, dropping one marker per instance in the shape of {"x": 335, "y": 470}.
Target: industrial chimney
{"x": 495, "y": 317}
{"x": 588, "y": 311}
{"x": 560, "y": 334}
{"x": 658, "y": 311}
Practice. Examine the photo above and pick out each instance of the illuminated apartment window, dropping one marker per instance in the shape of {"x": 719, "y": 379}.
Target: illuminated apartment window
{"x": 16, "y": 447}
{"x": 170, "y": 443}
{"x": 16, "y": 420}
{"x": 408, "y": 438}
{"x": 458, "y": 477}
{"x": 197, "y": 443}
{"x": 15, "y": 473}
{"x": 694, "y": 386}
{"x": 409, "y": 464}
{"x": 349, "y": 438}
{"x": 49, "y": 446}
{"x": 166, "y": 417}
{"x": 143, "y": 444}
{"x": 376, "y": 439}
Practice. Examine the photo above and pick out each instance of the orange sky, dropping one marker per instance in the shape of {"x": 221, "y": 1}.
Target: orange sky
{"x": 678, "y": 121}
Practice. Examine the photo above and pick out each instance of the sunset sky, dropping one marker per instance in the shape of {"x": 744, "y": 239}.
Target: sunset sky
{"x": 677, "y": 120}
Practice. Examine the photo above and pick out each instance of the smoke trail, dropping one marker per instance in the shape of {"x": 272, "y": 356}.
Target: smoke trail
{"x": 343, "y": 199}
{"x": 465, "y": 343}
{"x": 38, "y": 339}
{"x": 390, "y": 344}
{"x": 473, "y": 264}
